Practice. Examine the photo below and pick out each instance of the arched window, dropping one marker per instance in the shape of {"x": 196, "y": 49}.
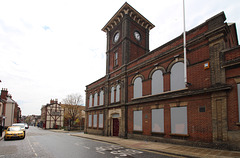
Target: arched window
{"x": 137, "y": 90}
{"x": 177, "y": 76}
{"x": 96, "y": 99}
{"x": 118, "y": 93}
{"x": 112, "y": 95}
{"x": 157, "y": 82}
{"x": 101, "y": 97}
{"x": 90, "y": 100}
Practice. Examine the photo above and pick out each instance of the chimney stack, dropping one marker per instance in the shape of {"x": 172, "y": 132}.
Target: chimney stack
{"x": 52, "y": 101}
{"x": 4, "y": 93}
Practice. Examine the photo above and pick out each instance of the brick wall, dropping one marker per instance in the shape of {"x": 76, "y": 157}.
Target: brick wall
{"x": 199, "y": 123}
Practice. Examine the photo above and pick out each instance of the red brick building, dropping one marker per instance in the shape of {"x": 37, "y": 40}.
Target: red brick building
{"x": 143, "y": 94}
{"x": 10, "y": 112}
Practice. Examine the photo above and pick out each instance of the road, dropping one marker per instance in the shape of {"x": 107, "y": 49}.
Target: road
{"x": 48, "y": 144}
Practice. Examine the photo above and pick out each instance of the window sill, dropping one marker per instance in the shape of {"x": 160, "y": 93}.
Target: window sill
{"x": 115, "y": 103}
{"x": 95, "y": 106}
{"x": 238, "y": 123}
{"x": 179, "y": 135}
{"x": 157, "y": 133}
{"x": 137, "y": 132}
{"x": 167, "y": 92}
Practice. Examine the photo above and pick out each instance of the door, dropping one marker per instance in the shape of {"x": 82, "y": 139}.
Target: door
{"x": 115, "y": 127}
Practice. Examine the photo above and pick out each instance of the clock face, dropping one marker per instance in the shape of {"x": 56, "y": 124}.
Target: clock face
{"x": 137, "y": 35}
{"x": 116, "y": 37}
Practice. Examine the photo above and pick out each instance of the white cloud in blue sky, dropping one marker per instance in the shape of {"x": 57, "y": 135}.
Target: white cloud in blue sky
{"x": 49, "y": 49}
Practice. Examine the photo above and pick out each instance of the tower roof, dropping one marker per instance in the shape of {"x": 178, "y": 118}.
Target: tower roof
{"x": 135, "y": 15}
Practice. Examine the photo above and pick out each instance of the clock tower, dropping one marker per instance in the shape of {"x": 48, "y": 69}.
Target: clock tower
{"x": 127, "y": 37}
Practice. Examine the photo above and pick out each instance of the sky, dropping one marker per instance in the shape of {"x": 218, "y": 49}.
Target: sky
{"x": 52, "y": 48}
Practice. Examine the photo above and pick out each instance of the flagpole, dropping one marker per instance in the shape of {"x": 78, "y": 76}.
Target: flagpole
{"x": 184, "y": 45}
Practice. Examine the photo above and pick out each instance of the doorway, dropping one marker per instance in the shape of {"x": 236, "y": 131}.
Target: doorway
{"x": 115, "y": 126}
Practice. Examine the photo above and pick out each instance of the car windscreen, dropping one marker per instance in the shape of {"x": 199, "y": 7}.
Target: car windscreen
{"x": 21, "y": 125}
{"x": 14, "y": 128}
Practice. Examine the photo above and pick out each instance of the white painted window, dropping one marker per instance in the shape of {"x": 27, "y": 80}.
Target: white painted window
{"x": 177, "y": 76}
{"x": 157, "y": 82}
{"x": 100, "y": 121}
{"x": 238, "y": 87}
{"x": 89, "y": 120}
{"x": 95, "y": 99}
{"x": 101, "y": 98}
{"x": 90, "y": 100}
{"x": 112, "y": 95}
{"x": 158, "y": 120}
{"x": 118, "y": 93}
{"x": 179, "y": 120}
{"x": 137, "y": 90}
{"x": 95, "y": 120}
{"x": 137, "y": 120}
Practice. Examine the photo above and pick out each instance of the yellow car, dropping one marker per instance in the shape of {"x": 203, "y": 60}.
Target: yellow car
{"x": 13, "y": 132}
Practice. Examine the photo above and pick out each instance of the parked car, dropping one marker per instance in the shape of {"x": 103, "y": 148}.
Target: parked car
{"x": 22, "y": 125}
{"x": 14, "y": 132}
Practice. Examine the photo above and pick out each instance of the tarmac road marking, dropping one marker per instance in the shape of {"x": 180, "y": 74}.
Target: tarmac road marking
{"x": 146, "y": 150}
{"x": 32, "y": 147}
{"x": 86, "y": 147}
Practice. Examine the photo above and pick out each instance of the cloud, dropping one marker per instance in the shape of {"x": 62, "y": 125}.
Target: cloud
{"x": 46, "y": 28}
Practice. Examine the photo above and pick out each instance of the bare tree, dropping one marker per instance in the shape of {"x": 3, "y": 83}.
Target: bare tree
{"x": 73, "y": 99}
{"x": 72, "y": 108}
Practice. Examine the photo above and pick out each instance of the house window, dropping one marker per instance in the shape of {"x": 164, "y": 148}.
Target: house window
{"x": 95, "y": 99}
{"x": 137, "y": 120}
{"x": 101, "y": 98}
{"x": 89, "y": 120}
{"x": 100, "y": 121}
{"x": 238, "y": 87}
{"x": 90, "y": 100}
{"x": 118, "y": 93}
{"x": 137, "y": 90}
{"x": 177, "y": 76}
{"x": 115, "y": 58}
{"x": 179, "y": 120}
{"x": 95, "y": 120}
{"x": 157, "y": 82}
{"x": 112, "y": 95}
{"x": 158, "y": 120}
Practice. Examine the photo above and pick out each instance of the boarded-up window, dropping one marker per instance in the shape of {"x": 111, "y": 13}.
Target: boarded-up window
{"x": 157, "y": 82}
{"x": 95, "y": 99}
{"x": 90, "y": 100}
{"x": 112, "y": 95}
{"x": 158, "y": 120}
{"x": 137, "y": 91}
{"x": 101, "y": 98}
{"x": 177, "y": 76}
{"x": 179, "y": 120}
{"x": 238, "y": 86}
{"x": 95, "y": 120}
{"x": 137, "y": 120}
{"x": 118, "y": 93}
{"x": 89, "y": 120}
{"x": 100, "y": 121}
